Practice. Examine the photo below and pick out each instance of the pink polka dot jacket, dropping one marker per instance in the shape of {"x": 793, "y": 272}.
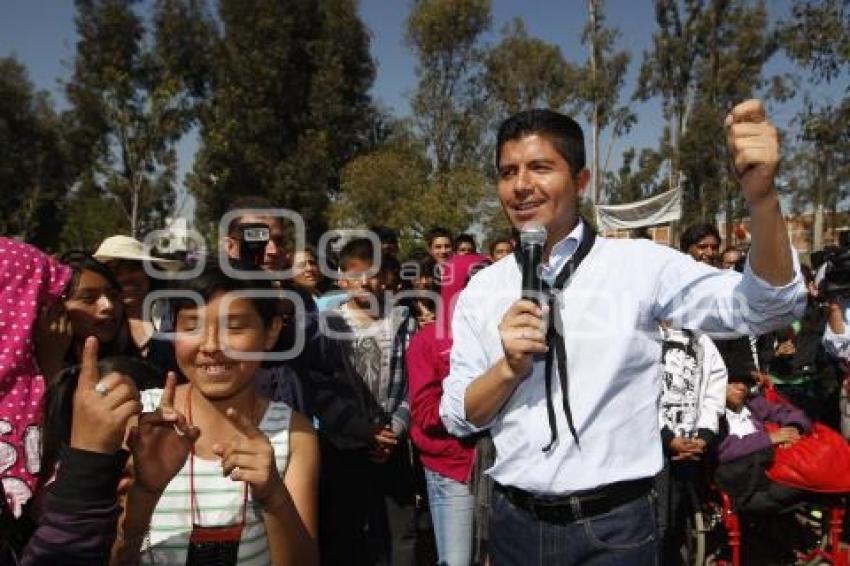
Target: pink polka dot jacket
{"x": 29, "y": 278}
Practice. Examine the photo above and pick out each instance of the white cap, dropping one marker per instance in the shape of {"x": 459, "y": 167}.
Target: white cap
{"x": 127, "y": 248}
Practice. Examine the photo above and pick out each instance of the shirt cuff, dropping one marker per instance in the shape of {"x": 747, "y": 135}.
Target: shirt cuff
{"x": 768, "y": 299}
{"x": 453, "y": 408}
{"x": 88, "y": 476}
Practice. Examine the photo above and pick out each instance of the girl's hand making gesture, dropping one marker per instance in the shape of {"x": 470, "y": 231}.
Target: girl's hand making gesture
{"x": 161, "y": 442}
{"x": 249, "y": 457}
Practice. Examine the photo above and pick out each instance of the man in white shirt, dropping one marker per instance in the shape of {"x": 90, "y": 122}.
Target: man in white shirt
{"x": 578, "y": 491}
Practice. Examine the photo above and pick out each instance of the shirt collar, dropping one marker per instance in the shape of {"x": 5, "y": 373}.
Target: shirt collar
{"x": 562, "y": 251}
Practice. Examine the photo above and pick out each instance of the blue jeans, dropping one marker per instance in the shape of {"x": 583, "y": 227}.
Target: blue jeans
{"x": 625, "y": 536}
{"x": 452, "y": 506}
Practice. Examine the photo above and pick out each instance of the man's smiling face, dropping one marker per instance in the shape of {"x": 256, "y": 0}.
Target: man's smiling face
{"x": 537, "y": 183}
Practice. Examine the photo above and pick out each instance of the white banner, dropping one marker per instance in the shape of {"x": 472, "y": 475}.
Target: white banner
{"x": 659, "y": 209}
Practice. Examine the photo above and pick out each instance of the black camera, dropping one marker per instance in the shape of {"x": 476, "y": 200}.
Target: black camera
{"x": 835, "y": 267}
{"x": 253, "y": 238}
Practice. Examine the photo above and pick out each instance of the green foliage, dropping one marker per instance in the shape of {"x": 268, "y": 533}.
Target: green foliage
{"x": 525, "y": 72}
{"x": 668, "y": 70}
{"x": 394, "y": 186}
{"x": 280, "y": 93}
{"x": 289, "y": 106}
{"x": 132, "y": 98}
{"x": 427, "y": 171}
{"x": 817, "y": 171}
{"x": 379, "y": 188}
{"x": 706, "y": 58}
{"x": 33, "y": 165}
{"x": 604, "y": 79}
{"x": 601, "y": 81}
{"x": 89, "y": 217}
{"x": 449, "y": 105}
{"x": 818, "y": 36}
{"x": 636, "y": 179}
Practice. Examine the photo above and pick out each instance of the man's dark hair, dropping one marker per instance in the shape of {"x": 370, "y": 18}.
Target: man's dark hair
{"x": 693, "y": 234}
{"x": 357, "y": 249}
{"x": 438, "y": 232}
{"x": 499, "y": 240}
{"x": 385, "y": 234}
{"x": 390, "y": 264}
{"x": 213, "y": 280}
{"x": 251, "y": 201}
{"x": 563, "y": 133}
{"x": 469, "y": 239}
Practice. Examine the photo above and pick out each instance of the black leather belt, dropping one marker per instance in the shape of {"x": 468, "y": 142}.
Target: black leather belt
{"x": 578, "y": 505}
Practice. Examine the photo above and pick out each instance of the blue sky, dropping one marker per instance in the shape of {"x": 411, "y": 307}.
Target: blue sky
{"x": 41, "y": 33}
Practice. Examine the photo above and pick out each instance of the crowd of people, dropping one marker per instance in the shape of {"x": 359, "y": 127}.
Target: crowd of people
{"x": 348, "y": 406}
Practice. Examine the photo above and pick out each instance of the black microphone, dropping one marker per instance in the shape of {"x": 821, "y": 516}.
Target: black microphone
{"x": 532, "y": 239}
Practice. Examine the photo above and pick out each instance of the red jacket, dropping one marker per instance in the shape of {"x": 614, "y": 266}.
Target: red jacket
{"x": 427, "y": 367}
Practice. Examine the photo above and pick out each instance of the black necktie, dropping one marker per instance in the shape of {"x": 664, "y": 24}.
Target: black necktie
{"x": 557, "y": 347}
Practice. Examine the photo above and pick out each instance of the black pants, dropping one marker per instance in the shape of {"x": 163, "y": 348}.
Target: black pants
{"x": 677, "y": 484}
{"x": 367, "y": 511}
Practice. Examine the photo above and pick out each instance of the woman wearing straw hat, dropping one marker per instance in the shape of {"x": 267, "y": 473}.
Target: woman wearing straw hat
{"x": 126, "y": 257}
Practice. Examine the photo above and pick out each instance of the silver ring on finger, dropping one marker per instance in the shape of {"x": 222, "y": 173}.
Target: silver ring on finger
{"x": 101, "y": 388}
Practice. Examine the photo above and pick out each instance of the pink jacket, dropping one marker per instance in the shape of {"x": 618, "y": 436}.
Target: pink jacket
{"x": 427, "y": 366}
{"x": 29, "y": 279}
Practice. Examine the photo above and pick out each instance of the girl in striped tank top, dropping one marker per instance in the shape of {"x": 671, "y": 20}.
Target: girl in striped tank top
{"x": 213, "y": 454}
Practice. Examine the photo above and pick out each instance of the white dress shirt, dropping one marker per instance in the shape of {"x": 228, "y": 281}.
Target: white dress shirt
{"x": 610, "y": 310}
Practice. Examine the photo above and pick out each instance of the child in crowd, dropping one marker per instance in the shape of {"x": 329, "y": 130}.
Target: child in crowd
{"x": 87, "y": 408}
{"x": 368, "y": 491}
{"x": 693, "y": 384}
{"x": 92, "y": 307}
{"x": 746, "y": 447}
{"x": 447, "y": 460}
{"x": 501, "y": 247}
{"x": 245, "y": 492}
{"x": 306, "y": 273}
{"x": 30, "y": 281}
{"x": 125, "y": 257}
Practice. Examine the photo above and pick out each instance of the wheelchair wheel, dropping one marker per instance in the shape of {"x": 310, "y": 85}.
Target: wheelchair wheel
{"x": 693, "y": 548}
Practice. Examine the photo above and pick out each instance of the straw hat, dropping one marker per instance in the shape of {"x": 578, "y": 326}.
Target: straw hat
{"x": 127, "y": 248}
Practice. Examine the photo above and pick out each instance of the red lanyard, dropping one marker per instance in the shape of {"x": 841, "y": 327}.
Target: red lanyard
{"x": 193, "y": 509}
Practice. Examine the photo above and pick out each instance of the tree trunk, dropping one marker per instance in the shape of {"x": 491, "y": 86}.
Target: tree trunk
{"x": 134, "y": 210}
{"x": 820, "y": 179}
{"x": 591, "y": 7}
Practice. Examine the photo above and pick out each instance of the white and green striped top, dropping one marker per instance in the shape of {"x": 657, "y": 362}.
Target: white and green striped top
{"x": 219, "y": 499}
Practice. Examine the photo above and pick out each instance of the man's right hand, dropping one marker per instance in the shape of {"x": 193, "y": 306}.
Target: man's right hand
{"x": 102, "y": 405}
{"x": 523, "y": 334}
